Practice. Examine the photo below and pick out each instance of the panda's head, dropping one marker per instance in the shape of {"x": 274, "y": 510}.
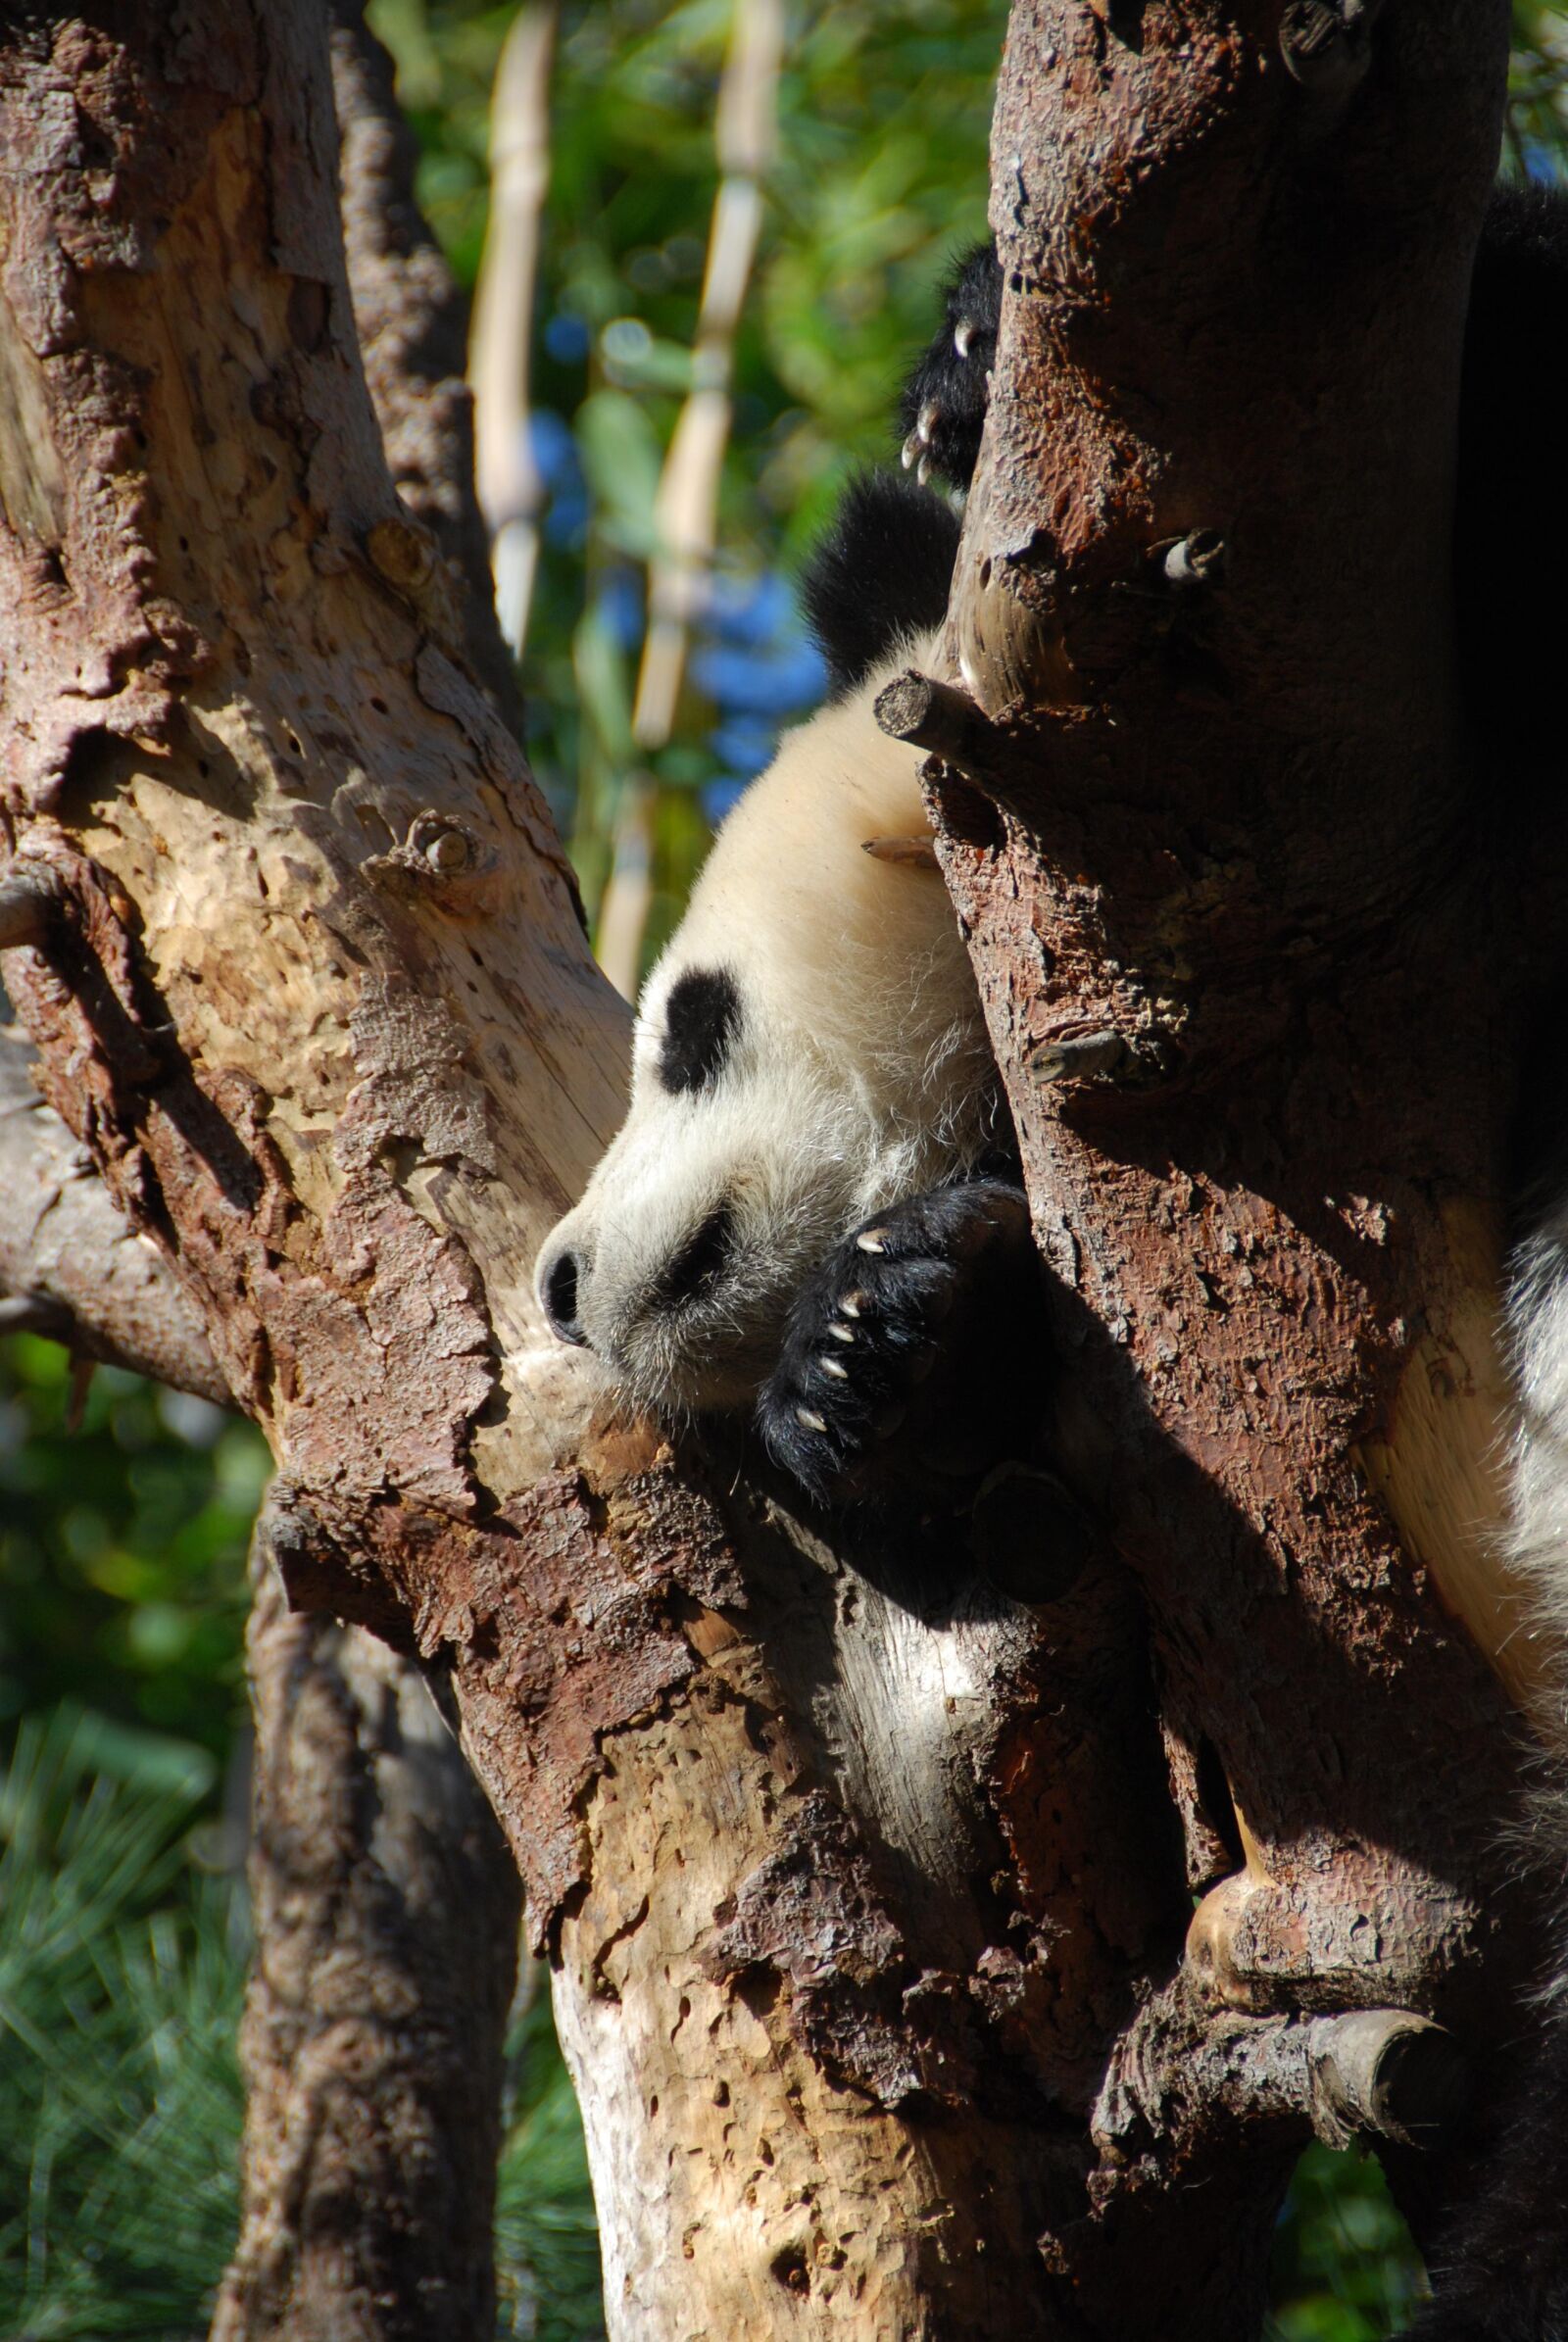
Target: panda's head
{"x": 808, "y": 1047}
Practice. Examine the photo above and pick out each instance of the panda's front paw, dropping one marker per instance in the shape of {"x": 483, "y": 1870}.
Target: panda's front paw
{"x": 904, "y": 1364}
{"x": 942, "y": 410}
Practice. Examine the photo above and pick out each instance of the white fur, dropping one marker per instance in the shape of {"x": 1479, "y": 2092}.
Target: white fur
{"x": 860, "y": 1071}
{"x": 1538, "y": 1526}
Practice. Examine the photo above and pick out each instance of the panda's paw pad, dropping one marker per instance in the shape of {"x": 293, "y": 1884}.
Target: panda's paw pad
{"x": 865, "y": 1334}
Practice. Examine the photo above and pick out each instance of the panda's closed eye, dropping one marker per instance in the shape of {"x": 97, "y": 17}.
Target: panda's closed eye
{"x": 702, "y": 1018}
{"x": 701, "y": 1261}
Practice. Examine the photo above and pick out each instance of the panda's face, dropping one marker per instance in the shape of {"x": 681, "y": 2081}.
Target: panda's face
{"x": 808, "y": 1049}
{"x": 745, "y": 1155}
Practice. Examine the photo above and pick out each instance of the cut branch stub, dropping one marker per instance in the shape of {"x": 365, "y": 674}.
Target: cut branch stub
{"x": 931, "y": 715}
{"x": 1385, "y": 2073}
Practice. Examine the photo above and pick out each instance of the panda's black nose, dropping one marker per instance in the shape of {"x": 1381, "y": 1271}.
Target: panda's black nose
{"x": 558, "y": 1289}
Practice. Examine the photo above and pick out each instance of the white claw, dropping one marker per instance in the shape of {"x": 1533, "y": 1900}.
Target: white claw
{"x": 964, "y": 336}
{"x": 922, "y": 470}
{"x": 840, "y": 1374}
{"x": 841, "y": 1333}
{"x": 930, "y": 417}
{"x": 852, "y": 1304}
{"x": 910, "y": 450}
{"x": 808, "y": 1421}
{"x": 872, "y": 1241}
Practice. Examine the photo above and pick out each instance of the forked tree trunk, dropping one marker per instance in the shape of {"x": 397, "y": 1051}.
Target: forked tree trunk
{"x": 867, "y": 1923}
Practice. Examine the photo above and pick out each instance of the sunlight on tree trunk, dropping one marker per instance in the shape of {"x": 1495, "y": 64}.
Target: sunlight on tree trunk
{"x": 867, "y": 1923}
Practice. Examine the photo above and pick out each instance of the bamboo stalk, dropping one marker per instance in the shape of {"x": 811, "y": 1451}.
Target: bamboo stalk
{"x": 511, "y": 490}
{"x": 686, "y": 506}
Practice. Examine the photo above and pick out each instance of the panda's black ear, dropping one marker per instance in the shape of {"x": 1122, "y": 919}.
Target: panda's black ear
{"x": 881, "y": 574}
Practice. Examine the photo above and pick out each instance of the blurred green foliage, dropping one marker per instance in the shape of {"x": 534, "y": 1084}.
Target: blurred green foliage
{"x": 123, "y": 1549}
{"x": 1344, "y": 2269}
{"x": 121, "y": 1979}
{"x": 121, "y": 1544}
{"x": 880, "y": 178}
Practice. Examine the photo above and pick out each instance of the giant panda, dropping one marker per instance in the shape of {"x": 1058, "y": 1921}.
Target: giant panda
{"x": 810, "y": 1224}
{"x": 815, "y": 1116}
{"x": 813, "y": 1178}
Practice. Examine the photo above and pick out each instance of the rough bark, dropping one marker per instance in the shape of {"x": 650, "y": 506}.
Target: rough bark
{"x": 386, "y": 1921}
{"x": 1254, "y": 969}
{"x": 384, "y": 1901}
{"x": 854, "y": 1901}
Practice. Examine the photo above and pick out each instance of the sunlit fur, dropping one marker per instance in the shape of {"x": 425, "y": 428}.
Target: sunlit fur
{"x": 1537, "y": 1539}
{"x": 860, "y": 1073}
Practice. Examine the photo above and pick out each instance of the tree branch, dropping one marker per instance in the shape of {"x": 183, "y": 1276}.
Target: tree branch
{"x": 413, "y": 324}
{"x": 851, "y": 1901}
{"x": 73, "y": 1267}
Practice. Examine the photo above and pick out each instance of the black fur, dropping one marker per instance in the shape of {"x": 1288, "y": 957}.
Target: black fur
{"x": 702, "y": 1261}
{"x": 944, "y": 1322}
{"x": 881, "y": 574}
{"x": 1503, "y": 2274}
{"x": 951, "y": 389}
{"x": 1511, "y": 516}
{"x": 702, "y": 1018}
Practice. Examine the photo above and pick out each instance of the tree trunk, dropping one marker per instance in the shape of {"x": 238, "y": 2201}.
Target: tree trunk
{"x": 1217, "y": 817}
{"x": 386, "y": 1929}
{"x": 384, "y": 1902}
{"x": 867, "y": 1923}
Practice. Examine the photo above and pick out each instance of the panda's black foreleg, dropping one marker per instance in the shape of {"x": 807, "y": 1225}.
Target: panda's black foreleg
{"x": 943, "y": 407}
{"x": 910, "y": 1359}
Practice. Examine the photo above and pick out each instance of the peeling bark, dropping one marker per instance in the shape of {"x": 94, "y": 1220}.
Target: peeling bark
{"x": 866, "y": 1916}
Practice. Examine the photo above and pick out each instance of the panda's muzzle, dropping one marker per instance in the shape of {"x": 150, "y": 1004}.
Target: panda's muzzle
{"x": 689, "y": 1276}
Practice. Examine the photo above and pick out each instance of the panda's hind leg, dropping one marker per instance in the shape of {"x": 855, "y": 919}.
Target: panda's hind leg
{"x": 910, "y": 1360}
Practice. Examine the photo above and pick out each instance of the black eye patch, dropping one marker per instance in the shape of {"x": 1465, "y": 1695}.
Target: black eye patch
{"x": 701, "y": 1017}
